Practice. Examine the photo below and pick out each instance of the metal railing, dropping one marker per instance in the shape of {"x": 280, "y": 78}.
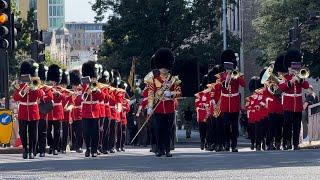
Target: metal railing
{"x": 314, "y": 122}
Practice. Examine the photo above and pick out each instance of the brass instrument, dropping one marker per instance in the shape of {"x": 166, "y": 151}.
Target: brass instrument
{"x": 33, "y": 85}
{"x": 304, "y": 73}
{"x": 235, "y": 74}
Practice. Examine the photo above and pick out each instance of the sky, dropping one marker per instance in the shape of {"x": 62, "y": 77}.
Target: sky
{"x": 79, "y": 10}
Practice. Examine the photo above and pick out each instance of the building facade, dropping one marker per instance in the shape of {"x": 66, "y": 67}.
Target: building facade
{"x": 50, "y": 13}
{"x": 85, "y": 36}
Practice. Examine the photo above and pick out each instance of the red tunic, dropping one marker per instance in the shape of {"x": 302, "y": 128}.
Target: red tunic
{"x": 273, "y": 103}
{"x": 166, "y": 105}
{"x": 77, "y": 109}
{"x": 292, "y": 94}
{"x": 28, "y": 105}
{"x": 57, "y": 114}
{"x": 67, "y": 102}
{"x": 125, "y": 110}
{"x": 201, "y": 107}
{"x": 46, "y": 98}
{"x": 91, "y": 106}
{"x": 230, "y": 97}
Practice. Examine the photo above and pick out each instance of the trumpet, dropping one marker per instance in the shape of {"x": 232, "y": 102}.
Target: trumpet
{"x": 235, "y": 74}
{"x": 304, "y": 73}
{"x": 33, "y": 85}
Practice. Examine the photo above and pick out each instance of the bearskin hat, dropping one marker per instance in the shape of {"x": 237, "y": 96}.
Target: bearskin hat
{"x": 292, "y": 56}
{"x": 228, "y": 56}
{"x": 152, "y": 64}
{"x": 54, "y": 73}
{"x": 212, "y": 73}
{"x": 65, "y": 78}
{"x": 105, "y": 77}
{"x": 75, "y": 77}
{"x": 164, "y": 58}
{"x": 280, "y": 65}
{"x": 91, "y": 69}
{"x": 204, "y": 82}
{"x": 115, "y": 77}
{"x": 254, "y": 83}
{"x": 42, "y": 72}
{"x": 29, "y": 66}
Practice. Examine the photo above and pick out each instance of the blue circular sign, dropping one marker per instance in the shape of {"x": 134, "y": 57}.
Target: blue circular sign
{"x": 5, "y": 119}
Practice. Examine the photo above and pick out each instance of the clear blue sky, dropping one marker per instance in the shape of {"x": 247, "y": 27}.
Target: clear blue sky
{"x": 79, "y": 10}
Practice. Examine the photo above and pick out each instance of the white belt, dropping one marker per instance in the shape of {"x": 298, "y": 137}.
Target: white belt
{"x": 28, "y": 103}
{"x": 90, "y": 102}
{"x": 57, "y": 104}
{"x": 291, "y": 95}
{"x": 77, "y": 107}
{"x": 230, "y": 95}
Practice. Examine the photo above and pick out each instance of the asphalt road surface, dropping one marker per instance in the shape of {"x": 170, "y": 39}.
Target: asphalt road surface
{"x": 188, "y": 162}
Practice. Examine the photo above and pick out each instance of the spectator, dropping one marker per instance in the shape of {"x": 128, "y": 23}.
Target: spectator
{"x": 311, "y": 98}
{"x": 188, "y": 122}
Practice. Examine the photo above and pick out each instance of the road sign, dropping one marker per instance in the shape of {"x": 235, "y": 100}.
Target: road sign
{"x": 6, "y": 126}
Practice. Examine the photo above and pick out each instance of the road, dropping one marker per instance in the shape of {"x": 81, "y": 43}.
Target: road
{"x": 188, "y": 162}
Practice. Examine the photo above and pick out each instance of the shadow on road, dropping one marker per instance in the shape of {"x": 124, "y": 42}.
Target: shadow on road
{"x": 181, "y": 162}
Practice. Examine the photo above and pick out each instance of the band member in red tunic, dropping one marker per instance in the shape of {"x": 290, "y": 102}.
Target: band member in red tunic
{"x": 56, "y": 115}
{"x": 68, "y": 104}
{"x": 48, "y": 97}
{"x": 77, "y": 130}
{"x": 163, "y": 89}
{"x": 92, "y": 96}
{"x": 291, "y": 87}
{"x": 202, "y": 115}
{"x": 28, "y": 94}
{"x": 230, "y": 80}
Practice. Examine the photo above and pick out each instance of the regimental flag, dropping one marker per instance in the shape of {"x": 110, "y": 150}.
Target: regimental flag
{"x": 132, "y": 73}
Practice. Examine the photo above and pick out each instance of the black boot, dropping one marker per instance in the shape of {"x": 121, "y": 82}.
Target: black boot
{"x": 31, "y": 156}
{"x": 55, "y": 152}
{"x": 25, "y": 154}
{"x": 87, "y": 153}
{"x": 252, "y": 147}
{"x": 168, "y": 154}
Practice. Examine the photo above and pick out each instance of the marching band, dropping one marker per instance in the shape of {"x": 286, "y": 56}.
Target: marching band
{"x": 274, "y": 108}
{"x": 92, "y": 105}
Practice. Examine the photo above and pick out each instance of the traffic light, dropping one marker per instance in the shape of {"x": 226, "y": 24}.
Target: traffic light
{"x": 5, "y": 25}
{"x": 37, "y": 47}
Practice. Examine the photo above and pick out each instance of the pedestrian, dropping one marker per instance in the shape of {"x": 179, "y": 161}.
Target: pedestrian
{"x": 188, "y": 122}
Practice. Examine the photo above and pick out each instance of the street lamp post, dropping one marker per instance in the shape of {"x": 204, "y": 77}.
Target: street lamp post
{"x": 224, "y": 23}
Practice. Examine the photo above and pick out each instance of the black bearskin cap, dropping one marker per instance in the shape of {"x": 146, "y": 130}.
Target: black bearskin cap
{"x": 114, "y": 76}
{"x": 204, "y": 82}
{"x": 54, "y": 73}
{"x": 42, "y": 72}
{"x": 105, "y": 77}
{"x": 292, "y": 56}
{"x": 228, "y": 56}
{"x": 164, "y": 58}
{"x": 254, "y": 83}
{"x": 212, "y": 74}
{"x": 152, "y": 63}
{"x": 280, "y": 65}
{"x": 65, "y": 79}
{"x": 90, "y": 68}
{"x": 75, "y": 77}
{"x": 29, "y": 66}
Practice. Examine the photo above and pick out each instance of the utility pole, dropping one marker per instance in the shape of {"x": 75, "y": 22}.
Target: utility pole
{"x": 224, "y": 23}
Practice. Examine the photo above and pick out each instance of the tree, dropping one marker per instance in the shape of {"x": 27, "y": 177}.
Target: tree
{"x": 273, "y": 21}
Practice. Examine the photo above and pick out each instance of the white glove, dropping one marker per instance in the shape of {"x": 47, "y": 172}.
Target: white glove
{"x": 167, "y": 94}
{"x": 213, "y": 102}
{"x": 149, "y": 110}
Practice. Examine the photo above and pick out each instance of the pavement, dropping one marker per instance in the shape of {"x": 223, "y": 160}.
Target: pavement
{"x": 188, "y": 162}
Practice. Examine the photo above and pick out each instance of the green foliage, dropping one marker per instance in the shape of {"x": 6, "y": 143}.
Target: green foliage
{"x": 50, "y": 60}
{"x": 139, "y": 28}
{"x": 275, "y": 18}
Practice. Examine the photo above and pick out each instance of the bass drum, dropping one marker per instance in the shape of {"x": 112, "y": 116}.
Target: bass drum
{"x": 6, "y": 126}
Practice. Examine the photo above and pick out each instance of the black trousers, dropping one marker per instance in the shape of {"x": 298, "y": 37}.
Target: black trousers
{"x": 251, "y": 132}
{"x": 123, "y": 136}
{"x": 91, "y": 133}
{"x": 292, "y": 127}
{"x": 210, "y": 136}
{"x": 203, "y": 132}
{"x": 231, "y": 128}
{"x": 119, "y": 134}
{"x": 28, "y": 133}
{"x": 112, "y": 134}
{"x": 77, "y": 135}
{"x": 275, "y": 124}
{"x": 164, "y": 123}
{"x": 101, "y": 132}
{"x": 53, "y": 138}
{"x": 259, "y": 133}
{"x": 42, "y": 136}
{"x": 65, "y": 135}
{"x": 219, "y": 131}
{"x": 105, "y": 135}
